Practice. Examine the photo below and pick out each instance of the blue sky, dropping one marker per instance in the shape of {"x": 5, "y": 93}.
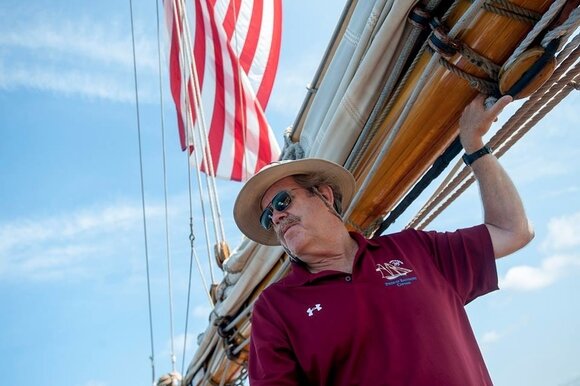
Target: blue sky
{"x": 72, "y": 268}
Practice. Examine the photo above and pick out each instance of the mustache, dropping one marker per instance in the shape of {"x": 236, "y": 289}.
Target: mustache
{"x": 286, "y": 223}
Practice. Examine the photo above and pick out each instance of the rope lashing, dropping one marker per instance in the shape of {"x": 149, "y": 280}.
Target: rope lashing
{"x": 420, "y": 18}
{"x": 440, "y": 41}
{"x": 484, "y": 86}
{"x": 171, "y": 379}
{"x": 291, "y": 150}
{"x": 511, "y": 10}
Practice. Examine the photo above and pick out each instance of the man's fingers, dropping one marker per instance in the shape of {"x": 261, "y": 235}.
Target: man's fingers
{"x": 500, "y": 104}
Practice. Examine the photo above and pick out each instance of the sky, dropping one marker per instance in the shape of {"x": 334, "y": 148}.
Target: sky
{"x": 73, "y": 274}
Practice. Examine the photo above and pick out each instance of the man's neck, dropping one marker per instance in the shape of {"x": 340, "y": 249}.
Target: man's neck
{"x": 338, "y": 256}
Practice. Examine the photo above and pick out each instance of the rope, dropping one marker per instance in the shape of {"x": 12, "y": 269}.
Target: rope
{"x": 511, "y": 10}
{"x": 547, "y": 95}
{"x": 171, "y": 379}
{"x": 563, "y": 31}
{"x": 373, "y": 123}
{"x": 489, "y": 67}
{"x": 460, "y": 25}
{"x": 201, "y": 120}
{"x": 167, "y": 248}
{"x": 526, "y": 111}
{"x": 202, "y": 140}
{"x": 178, "y": 16}
{"x": 482, "y": 85}
{"x": 142, "y": 195}
{"x": 193, "y": 256}
{"x": 291, "y": 150}
{"x": 550, "y": 14}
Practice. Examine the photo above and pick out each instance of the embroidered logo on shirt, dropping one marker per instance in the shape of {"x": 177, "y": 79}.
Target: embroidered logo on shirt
{"x": 310, "y": 311}
{"x": 393, "y": 272}
{"x": 392, "y": 269}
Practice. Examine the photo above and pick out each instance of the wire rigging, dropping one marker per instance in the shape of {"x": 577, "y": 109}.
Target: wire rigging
{"x": 152, "y": 357}
{"x": 167, "y": 241}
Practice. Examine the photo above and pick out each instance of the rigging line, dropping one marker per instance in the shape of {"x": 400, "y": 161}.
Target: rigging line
{"x": 549, "y": 99}
{"x": 142, "y": 194}
{"x": 377, "y": 115}
{"x": 567, "y": 57}
{"x": 198, "y": 176}
{"x": 544, "y": 110}
{"x": 546, "y": 19}
{"x": 239, "y": 82}
{"x": 524, "y": 113}
{"x": 167, "y": 248}
{"x": 464, "y": 20}
{"x": 193, "y": 256}
{"x": 189, "y": 121}
{"x": 203, "y": 137}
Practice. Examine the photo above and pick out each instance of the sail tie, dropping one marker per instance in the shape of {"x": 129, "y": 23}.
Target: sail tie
{"x": 291, "y": 150}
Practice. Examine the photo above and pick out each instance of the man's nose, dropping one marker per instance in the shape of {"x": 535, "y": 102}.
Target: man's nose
{"x": 278, "y": 216}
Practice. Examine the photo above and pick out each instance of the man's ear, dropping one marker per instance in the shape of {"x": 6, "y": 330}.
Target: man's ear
{"x": 327, "y": 193}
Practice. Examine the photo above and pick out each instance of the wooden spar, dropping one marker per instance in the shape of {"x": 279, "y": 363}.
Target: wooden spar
{"x": 431, "y": 124}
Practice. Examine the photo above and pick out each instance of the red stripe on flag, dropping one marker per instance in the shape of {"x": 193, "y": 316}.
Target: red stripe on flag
{"x": 264, "y": 146}
{"x": 199, "y": 46}
{"x": 217, "y": 125}
{"x": 252, "y": 37}
{"x": 231, "y": 18}
{"x": 175, "y": 79}
{"x": 263, "y": 93}
{"x": 240, "y": 125}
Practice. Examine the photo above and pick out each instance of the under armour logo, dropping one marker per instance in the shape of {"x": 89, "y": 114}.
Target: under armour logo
{"x": 310, "y": 311}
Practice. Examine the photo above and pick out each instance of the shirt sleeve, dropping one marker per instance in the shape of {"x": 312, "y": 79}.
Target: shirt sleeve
{"x": 272, "y": 361}
{"x": 466, "y": 259}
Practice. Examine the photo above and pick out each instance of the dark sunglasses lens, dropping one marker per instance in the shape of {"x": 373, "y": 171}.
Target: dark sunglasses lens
{"x": 281, "y": 201}
{"x": 266, "y": 218}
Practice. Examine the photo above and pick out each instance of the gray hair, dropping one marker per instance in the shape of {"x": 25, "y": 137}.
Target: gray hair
{"x": 312, "y": 181}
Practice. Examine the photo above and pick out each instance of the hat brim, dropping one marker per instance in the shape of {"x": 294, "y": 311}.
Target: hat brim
{"x": 247, "y": 209}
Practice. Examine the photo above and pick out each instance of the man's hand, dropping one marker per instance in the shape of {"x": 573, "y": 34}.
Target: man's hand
{"x": 475, "y": 121}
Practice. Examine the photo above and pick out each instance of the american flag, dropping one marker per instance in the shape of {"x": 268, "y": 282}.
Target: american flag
{"x": 222, "y": 63}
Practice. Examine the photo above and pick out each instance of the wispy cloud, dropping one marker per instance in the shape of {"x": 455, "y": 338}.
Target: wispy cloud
{"x": 72, "y": 245}
{"x": 563, "y": 233}
{"x": 563, "y": 237}
{"x": 490, "y": 337}
{"x": 81, "y": 56}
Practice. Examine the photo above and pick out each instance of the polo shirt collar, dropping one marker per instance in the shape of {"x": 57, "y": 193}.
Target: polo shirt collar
{"x": 300, "y": 275}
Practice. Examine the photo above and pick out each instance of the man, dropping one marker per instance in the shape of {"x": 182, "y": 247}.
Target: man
{"x": 388, "y": 311}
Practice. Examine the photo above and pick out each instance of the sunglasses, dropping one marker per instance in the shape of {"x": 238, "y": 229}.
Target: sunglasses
{"x": 280, "y": 202}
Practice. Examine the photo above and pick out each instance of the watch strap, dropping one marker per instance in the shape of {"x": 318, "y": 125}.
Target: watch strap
{"x": 471, "y": 158}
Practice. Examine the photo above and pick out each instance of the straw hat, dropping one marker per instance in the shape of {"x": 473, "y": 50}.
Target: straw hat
{"x": 247, "y": 208}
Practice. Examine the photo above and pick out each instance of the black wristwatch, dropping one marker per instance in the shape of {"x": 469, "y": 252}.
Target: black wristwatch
{"x": 471, "y": 158}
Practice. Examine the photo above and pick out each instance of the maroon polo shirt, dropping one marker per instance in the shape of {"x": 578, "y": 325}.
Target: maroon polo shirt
{"x": 398, "y": 319}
